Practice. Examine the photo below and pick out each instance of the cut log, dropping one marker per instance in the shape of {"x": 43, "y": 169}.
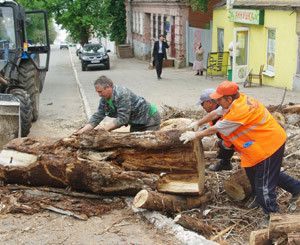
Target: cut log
{"x": 103, "y": 140}
{"x": 260, "y": 237}
{"x": 193, "y": 225}
{"x": 283, "y": 223}
{"x": 294, "y": 238}
{"x": 60, "y": 166}
{"x": 238, "y": 186}
{"x": 119, "y": 163}
{"x": 187, "y": 184}
{"x": 152, "y": 200}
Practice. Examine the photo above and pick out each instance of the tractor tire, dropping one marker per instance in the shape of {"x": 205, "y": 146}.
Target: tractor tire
{"x": 25, "y": 109}
{"x": 29, "y": 81}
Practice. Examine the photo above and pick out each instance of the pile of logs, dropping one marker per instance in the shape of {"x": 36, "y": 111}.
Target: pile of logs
{"x": 112, "y": 163}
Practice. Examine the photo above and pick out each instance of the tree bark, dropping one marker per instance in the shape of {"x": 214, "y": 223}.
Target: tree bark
{"x": 193, "y": 225}
{"x": 238, "y": 186}
{"x": 168, "y": 203}
{"x": 283, "y": 223}
{"x": 294, "y": 238}
{"x": 102, "y": 162}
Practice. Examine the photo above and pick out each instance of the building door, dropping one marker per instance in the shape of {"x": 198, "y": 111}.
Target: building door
{"x": 240, "y": 54}
{"x": 173, "y": 50}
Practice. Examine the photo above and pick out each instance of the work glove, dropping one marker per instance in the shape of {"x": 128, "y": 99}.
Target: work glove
{"x": 194, "y": 126}
{"x": 188, "y": 136}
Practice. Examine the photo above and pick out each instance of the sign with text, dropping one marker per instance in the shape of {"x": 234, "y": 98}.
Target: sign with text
{"x": 247, "y": 16}
{"x": 217, "y": 63}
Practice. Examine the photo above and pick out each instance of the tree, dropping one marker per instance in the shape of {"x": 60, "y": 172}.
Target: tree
{"x": 199, "y": 5}
{"x": 80, "y": 17}
{"x": 39, "y": 5}
{"x": 117, "y": 13}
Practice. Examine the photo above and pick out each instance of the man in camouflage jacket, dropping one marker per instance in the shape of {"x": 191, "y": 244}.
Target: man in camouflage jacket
{"x": 124, "y": 106}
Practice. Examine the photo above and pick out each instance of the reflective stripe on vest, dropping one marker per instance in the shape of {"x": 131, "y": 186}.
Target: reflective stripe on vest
{"x": 253, "y": 127}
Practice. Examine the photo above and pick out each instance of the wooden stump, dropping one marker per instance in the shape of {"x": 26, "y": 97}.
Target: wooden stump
{"x": 238, "y": 186}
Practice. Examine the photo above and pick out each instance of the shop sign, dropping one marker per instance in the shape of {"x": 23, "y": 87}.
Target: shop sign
{"x": 217, "y": 63}
{"x": 247, "y": 16}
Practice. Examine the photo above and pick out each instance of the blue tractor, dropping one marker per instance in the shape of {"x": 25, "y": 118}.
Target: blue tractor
{"x": 24, "y": 61}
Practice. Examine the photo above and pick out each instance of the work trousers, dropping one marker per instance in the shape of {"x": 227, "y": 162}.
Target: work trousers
{"x": 265, "y": 176}
{"x": 153, "y": 124}
{"x": 159, "y": 63}
{"x": 224, "y": 153}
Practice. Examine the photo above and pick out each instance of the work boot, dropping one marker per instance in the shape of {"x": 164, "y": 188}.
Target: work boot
{"x": 222, "y": 165}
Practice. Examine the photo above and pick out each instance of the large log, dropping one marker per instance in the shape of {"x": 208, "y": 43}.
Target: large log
{"x": 283, "y": 224}
{"x": 165, "y": 202}
{"x": 102, "y": 162}
{"x": 238, "y": 186}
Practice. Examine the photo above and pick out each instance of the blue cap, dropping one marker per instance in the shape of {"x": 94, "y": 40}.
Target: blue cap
{"x": 205, "y": 95}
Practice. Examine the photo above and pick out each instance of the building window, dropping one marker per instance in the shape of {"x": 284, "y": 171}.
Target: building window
{"x": 133, "y": 21}
{"x": 159, "y": 25}
{"x": 154, "y": 26}
{"x": 165, "y": 26}
{"x": 220, "y": 40}
{"x": 141, "y": 23}
{"x": 271, "y": 50}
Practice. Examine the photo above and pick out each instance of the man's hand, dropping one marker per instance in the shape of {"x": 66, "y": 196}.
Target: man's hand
{"x": 188, "y": 136}
{"x": 99, "y": 128}
{"x": 194, "y": 126}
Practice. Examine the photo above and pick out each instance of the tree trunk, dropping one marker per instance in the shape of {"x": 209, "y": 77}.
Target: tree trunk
{"x": 102, "y": 162}
{"x": 238, "y": 186}
{"x": 283, "y": 223}
{"x": 168, "y": 203}
{"x": 194, "y": 225}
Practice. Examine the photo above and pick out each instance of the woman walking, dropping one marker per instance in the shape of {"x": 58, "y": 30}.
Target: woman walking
{"x": 198, "y": 62}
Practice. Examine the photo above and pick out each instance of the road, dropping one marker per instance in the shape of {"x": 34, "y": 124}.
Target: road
{"x": 67, "y": 100}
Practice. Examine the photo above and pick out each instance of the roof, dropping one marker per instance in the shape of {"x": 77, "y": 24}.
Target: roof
{"x": 275, "y": 4}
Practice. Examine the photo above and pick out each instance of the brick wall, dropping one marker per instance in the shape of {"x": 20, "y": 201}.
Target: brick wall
{"x": 198, "y": 20}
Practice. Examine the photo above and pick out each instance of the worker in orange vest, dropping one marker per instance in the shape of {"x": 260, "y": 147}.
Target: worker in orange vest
{"x": 224, "y": 153}
{"x": 255, "y": 133}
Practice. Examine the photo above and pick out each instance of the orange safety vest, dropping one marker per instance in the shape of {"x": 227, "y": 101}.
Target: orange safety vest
{"x": 260, "y": 135}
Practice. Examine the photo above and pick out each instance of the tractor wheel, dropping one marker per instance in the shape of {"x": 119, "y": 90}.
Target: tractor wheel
{"x": 29, "y": 81}
{"x": 25, "y": 110}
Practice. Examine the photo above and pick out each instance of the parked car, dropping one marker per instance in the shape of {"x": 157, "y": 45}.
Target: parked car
{"x": 64, "y": 45}
{"x": 94, "y": 55}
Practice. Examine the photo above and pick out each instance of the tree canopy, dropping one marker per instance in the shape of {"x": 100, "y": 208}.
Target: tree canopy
{"x": 199, "y": 5}
{"x": 80, "y": 17}
{"x": 39, "y": 5}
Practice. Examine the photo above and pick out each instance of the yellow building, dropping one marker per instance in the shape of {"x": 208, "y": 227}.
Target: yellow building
{"x": 260, "y": 34}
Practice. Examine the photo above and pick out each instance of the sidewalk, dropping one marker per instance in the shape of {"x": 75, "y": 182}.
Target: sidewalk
{"x": 177, "y": 88}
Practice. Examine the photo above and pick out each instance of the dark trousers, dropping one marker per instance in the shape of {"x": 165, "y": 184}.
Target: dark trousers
{"x": 153, "y": 124}
{"x": 265, "y": 176}
{"x": 224, "y": 153}
{"x": 159, "y": 63}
